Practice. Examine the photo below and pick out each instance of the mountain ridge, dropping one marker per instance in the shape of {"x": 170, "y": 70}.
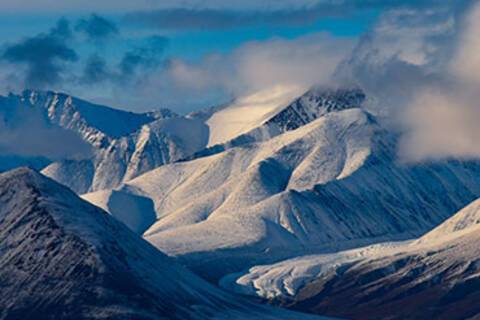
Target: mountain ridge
{"x": 63, "y": 258}
{"x": 328, "y": 185}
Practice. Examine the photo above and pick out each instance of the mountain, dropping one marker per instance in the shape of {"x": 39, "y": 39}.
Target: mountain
{"x": 273, "y": 112}
{"x": 135, "y": 211}
{"x": 248, "y": 113}
{"x": 62, "y": 258}
{"x": 331, "y": 184}
{"x": 436, "y": 276}
{"x": 124, "y": 144}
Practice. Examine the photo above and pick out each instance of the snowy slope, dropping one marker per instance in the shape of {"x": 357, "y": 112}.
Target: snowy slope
{"x": 62, "y": 258}
{"x": 463, "y": 222}
{"x": 331, "y": 184}
{"x": 124, "y": 144}
{"x": 248, "y": 113}
{"x": 437, "y": 276}
{"x": 135, "y": 211}
{"x": 140, "y": 143}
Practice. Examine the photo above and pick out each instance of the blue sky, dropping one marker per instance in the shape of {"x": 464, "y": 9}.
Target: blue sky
{"x": 181, "y": 54}
{"x": 192, "y": 44}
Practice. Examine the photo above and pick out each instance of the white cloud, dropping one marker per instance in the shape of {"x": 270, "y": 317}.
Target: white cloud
{"x": 252, "y": 67}
{"x": 444, "y": 119}
{"x": 442, "y": 123}
{"x": 423, "y": 69}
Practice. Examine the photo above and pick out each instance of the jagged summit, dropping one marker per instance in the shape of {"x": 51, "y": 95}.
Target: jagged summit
{"x": 287, "y": 109}
{"x": 315, "y": 103}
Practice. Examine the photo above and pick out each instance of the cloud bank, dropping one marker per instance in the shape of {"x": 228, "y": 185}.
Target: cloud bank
{"x": 252, "y": 67}
{"x": 212, "y": 15}
{"x": 246, "y": 5}
{"x": 25, "y": 132}
{"x": 442, "y": 120}
{"x": 421, "y": 69}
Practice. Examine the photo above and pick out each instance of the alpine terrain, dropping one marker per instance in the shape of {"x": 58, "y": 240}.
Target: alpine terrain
{"x": 435, "y": 276}
{"x": 124, "y": 144}
{"x": 318, "y": 175}
{"x": 61, "y": 257}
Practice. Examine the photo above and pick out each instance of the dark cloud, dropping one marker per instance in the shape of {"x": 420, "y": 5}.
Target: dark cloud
{"x": 208, "y": 19}
{"x": 193, "y": 19}
{"x": 62, "y": 29}
{"x": 145, "y": 58}
{"x": 44, "y": 56}
{"x": 96, "y": 27}
{"x": 95, "y": 70}
{"x": 149, "y": 55}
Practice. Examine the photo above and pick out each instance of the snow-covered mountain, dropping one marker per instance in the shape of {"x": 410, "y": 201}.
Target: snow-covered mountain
{"x": 62, "y": 258}
{"x": 436, "y": 276}
{"x": 330, "y": 184}
{"x": 248, "y": 113}
{"x": 273, "y": 112}
{"x": 124, "y": 144}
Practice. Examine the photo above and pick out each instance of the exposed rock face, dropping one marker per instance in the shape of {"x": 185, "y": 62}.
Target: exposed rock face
{"x": 315, "y": 103}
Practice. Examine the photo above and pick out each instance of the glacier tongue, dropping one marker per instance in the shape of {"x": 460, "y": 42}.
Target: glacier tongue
{"x": 436, "y": 276}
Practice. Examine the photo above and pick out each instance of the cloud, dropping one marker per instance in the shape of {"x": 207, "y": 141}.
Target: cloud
{"x": 128, "y": 5}
{"x": 144, "y": 58}
{"x": 420, "y": 67}
{"x": 96, "y": 28}
{"x": 252, "y": 67}
{"x": 49, "y": 60}
{"x": 43, "y": 56}
{"x": 147, "y": 56}
{"x": 213, "y": 16}
{"x": 24, "y": 132}
{"x": 95, "y": 70}
{"x": 208, "y": 19}
{"x": 442, "y": 120}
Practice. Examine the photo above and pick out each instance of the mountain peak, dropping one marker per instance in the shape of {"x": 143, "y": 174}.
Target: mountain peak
{"x": 24, "y": 176}
{"x": 315, "y": 103}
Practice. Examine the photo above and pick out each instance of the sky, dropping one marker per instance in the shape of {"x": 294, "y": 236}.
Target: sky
{"x": 417, "y": 60}
{"x": 186, "y": 32}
